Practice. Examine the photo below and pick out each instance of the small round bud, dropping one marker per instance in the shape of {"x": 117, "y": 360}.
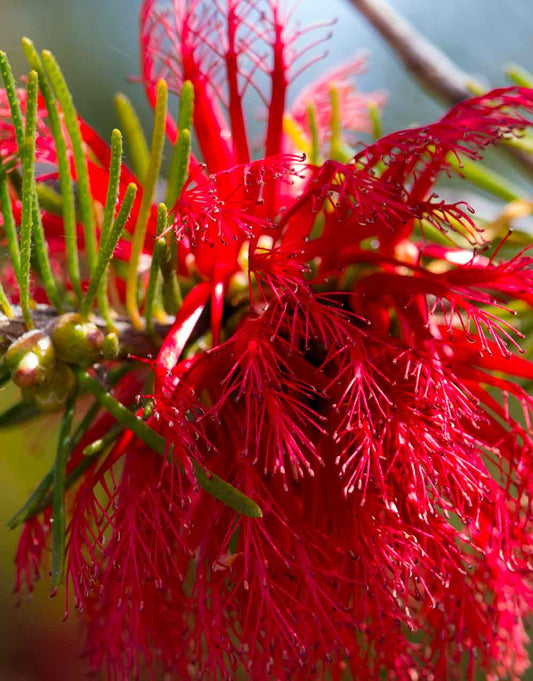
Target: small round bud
{"x": 110, "y": 347}
{"x": 77, "y": 340}
{"x": 31, "y": 359}
{"x": 52, "y": 396}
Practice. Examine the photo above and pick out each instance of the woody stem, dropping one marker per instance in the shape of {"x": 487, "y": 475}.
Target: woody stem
{"x": 131, "y": 340}
{"x": 429, "y": 65}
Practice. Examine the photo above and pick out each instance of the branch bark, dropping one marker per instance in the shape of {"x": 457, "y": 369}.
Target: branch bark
{"x": 131, "y": 341}
{"x": 429, "y": 65}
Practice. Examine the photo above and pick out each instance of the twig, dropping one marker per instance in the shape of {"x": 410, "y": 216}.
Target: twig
{"x": 429, "y": 65}
{"x": 131, "y": 340}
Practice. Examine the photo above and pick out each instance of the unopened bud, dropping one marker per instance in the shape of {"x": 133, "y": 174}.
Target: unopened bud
{"x": 110, "y": 347}
{"x": 52, "y": 396}
{"x": 77, "y": 340}
{"x": 31, "y": 359}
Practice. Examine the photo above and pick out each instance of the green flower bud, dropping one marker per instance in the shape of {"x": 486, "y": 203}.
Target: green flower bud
{"x": 77, "y": 340}
{"x": 31, "y": 359}
{"x": 111, "y": 348}
{"x": 52, "y": 396}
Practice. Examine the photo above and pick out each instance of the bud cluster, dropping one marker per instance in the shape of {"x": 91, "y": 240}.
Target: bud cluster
{"x": 39, "y": 361}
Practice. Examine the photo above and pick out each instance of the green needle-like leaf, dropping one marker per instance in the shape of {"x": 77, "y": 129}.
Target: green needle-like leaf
{"x": 42, "y": 496}
{"x": 152, "y": 174}
{"x": 68, "y": 208}
{"x": 138, "y": 152}
{"x": 41, "y": 250}
{"x": 49, "y": 200}
{"x": 113, "y": 186}
{"x": 314, "y": 156}
{"x": 28, "y": 179}
{"x": 489, "y": 180}
{"x": 4, "y": 303}
{"x": 151, "y": 288}
{"x": 519, "y": 75}
{"x": 34, "y": 504}
{"x": 172, "y": 299}
{"x": 9, "y": 224}
{"x": 210, "y": 482}
{"x": 179, "y": 167}
{"x": 99, "y": 445}
{"x": 179, "y": 163}
{"x": 186, "y": 111}
{"x": 40, "y": 247}
{"x": 375, "y": 120}
{"x": 71, "y": 122}
{"x": 18, "y": 413}
{"x": 108, "y": 248}
{"x": 58, "y": 497}
{"x": 115, "y": 166}
{"x": 11, "y": 94}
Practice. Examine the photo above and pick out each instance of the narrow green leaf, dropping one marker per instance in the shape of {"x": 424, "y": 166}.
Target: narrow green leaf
{"x": 9, "y": 224}
{"x": 519, "y": 75}
{"x": 34, "y": 504}
{"x": 185, "y": 116}
{"x": 375, "y": 120}
{"x": 58, "y": 497}
{"x": 99, "y": 445}
{"x": 11, "y": 94}
{"x": 226, "y": 493}
{"x": 18, "y": 413}
{"x": 113, "y": 186}
{"x": 4, "y": 303}
{"x": 28, "y": 179}
{"x": 172, "y": 299}
{"x": 151, "y": 288}
{"x": 210, "y": 482}
{"x": 136, "y": 144}
{"x": 179, "y": 164}
{"x": 71, "y": 122}
{"x": 115, "y": 166}
{"x": 179, "y": 167}
{"x": 49, "y": 200}
{"x": 152, "y": 174}
{"x": 41, "y": 498}
{"x": 337, "y": 150}
{"x": 314, "y": 156}
{"x": 40, "y": 247}
{"x": 108, "y": 248}
{"x": 485, "y": 178}
{"x": 68, "y": 208}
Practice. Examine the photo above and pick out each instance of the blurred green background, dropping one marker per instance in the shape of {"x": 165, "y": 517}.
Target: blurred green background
{"x": 95, "y": 41}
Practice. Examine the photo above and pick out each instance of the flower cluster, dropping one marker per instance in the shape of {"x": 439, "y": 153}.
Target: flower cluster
{"x": 341, "y": 356}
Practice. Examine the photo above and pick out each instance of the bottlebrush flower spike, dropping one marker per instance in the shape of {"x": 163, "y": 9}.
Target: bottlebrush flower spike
{"x": 223, "y": 48}
{"x": 359, "y": 382}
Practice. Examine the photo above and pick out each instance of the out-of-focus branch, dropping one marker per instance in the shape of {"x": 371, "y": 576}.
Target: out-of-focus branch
{"x": 427, "y": 63}
{"x": 433, "y": 69}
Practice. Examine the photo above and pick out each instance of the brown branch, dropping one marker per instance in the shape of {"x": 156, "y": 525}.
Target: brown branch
{"x": 429, "y": 65}
{"x": 131, "y": 341}
{"x": 425, "y": 61}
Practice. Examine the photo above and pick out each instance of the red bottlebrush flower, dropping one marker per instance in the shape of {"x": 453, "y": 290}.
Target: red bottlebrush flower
{"x": 352, "y": 378}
